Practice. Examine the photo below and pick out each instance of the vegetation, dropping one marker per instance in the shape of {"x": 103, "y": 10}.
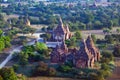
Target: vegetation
{"x": 32, "y": 53}
{"x": 113, "y": 38}
{"x": 78, "y": 17}
{"x": 4, "y": 41}
{"x": 8, "y": 74}
{"x": 116, "y": 51}
{"x": 43, "y": 70}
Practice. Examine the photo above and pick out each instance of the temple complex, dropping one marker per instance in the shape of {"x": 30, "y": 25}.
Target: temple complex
{"x": 81, "y": 58}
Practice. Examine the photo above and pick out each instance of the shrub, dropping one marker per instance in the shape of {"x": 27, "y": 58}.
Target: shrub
{"x": 52, "y": 72}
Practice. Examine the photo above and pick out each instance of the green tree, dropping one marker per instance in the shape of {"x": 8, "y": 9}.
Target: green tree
{"x": 64, "y": 68}
{"x": 23, "y": 58}
{"x": 109, "y": 39}
{"x": 94, "y": 76}
{"x": 2, "y": 45}
{"x": 118, "y": 30}
{"x": 106, "y": 31}
{"x": 52, "y": 72}
{"x": 46, "y": 36}
{"x": 41, "y": 46}
{"x": 1, "y": 77}
{"x": 41, "y": 69}
{"x": 105, "y": 69}
{"x": 97, "y": 25}
{"x": 78, "y": 35}
{"x": 110, "y": 24}
{"x": 7, "y": 41}
{"x": 116, "y": 51}
{"x": 94, "y": 38}
{"x": 107, "y": 57}
{"x": 1, "y": 32}
{"x": 8, "y": 74}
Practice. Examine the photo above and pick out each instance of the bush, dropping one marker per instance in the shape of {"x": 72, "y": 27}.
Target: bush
{"x": 52, "y": 72}
{"x": 116, "y": 51}
{"x": 15, "y": 67}
{"x": 8, "y": 74}
{"x": 64, "y": 68}
{"x": 107, "y": 57}
{"x": 41, "y": 69}
{"x": 1, "y": 77}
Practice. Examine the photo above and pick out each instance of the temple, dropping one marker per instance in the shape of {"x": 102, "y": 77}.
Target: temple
{"x": 58, "y": 55}
{"x": 61, "y": 32}
{"x": 81, "y": 58}
{"x": 27, "y": 22}
{"x": 58, "y": 35}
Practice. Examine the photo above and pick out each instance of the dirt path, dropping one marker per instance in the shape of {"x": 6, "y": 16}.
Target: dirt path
{"x": 116, "y": 72}
{"x": 50, "y": 78}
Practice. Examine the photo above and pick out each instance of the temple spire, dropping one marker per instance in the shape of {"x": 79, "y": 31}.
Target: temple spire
{"x": 60, "y": 22}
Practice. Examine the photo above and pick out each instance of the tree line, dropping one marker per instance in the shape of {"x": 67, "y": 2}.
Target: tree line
{"x": 78, "y": 17}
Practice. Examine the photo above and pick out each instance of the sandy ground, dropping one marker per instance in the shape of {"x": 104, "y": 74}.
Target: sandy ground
{"x": 50, "y": 78}
{"x": 98, "y": 33}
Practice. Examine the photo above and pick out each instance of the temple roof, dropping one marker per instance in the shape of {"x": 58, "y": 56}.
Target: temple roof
{"x": 61, "y": 29}
{"x": 83, "y": 51}
{"x": 90, "y": 42}
{"x": 92, "y": 48}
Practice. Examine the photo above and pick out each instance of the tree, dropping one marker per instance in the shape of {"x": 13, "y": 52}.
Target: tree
{"x": 118, "y": 30}
{"x": 94, "y": 76}
{"x": 97, "y": 25}
{"x": 64, "y": 68}
{"x": 1, "y": 32}
{"x": 116, "y": 51}
{"x": 41, "y": 69}
{"x": 107, "y": 57}
{"x": 8, "y": 74}
{"x": 7, "y": 41}
{"x": 4, "y": 41}
{"x": 1, "y": 77}
{"x": 71, "y": 42}
{"x": 106, "y": 31}
{"x": 41, "y": 46}
{"x": 52, "y": 72}
{"x": 110, "y": 24}
{"x": 109, "y": 39}
{"x": 23, "y": 58}
{"x": 28, "y": 49}
{"x": 46, "y": 36}
{"x": 78, "y": 35}
{"x": 1, "y": 17}
{"x": 94, "y": 38}
{"x": 105, "y": 69}
{"x": 2, "y": 45}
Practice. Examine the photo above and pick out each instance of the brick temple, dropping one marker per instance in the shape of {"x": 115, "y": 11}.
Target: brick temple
{"x": 81, "y": 58}
{"x": 61, "y": 32}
